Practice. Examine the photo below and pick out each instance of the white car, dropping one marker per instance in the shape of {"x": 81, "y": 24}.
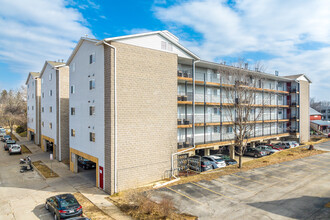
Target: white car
{"x": 295, "y": 143}
{"x": 217, "y": 162}
{"x": 290, "y": 144}
{"x": 15, "y": 149}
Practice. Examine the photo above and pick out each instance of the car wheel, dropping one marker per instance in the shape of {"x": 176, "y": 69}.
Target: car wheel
{"x": 55, "y": 216}
{"x": 46, "y": 206}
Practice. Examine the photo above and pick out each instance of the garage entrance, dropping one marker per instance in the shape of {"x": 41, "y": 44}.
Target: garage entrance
{"x": 31, "y": 136}
{"x": 87, "y": 169}
{"x": 88, "y": 166}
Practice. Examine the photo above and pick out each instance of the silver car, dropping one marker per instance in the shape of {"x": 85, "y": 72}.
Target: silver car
{"x": 217, "y": 162}
{"x": 15, "y": 149}
{"x": 268, "y": 149}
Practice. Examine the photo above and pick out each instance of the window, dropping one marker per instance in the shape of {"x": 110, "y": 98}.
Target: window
{"x": 170, "y": 47}
{"x": 50, "y": 76}
{"x": 92, "y": 136}
{"x": 91, "y": 84}
{"x": 73, "y": 111}
{"x": 50, "y": 125}
{"x": 50, "y": 92}
{"x": 229, "y": 129}
{"x": 33, "y": 96}
{"x": 28, "y": 108}
{"x": 91, "y": 110}
{"x": 32, "y": 83}
{"x": 216, "y": 129}
{"x": 28, "y": 97}
{"x": 92, "y": 58}
{"x": 42, "y": 109}
{"x": 216, "y": 111}
{"x": 50, "y": 109}
{"x": 73, "y": 67}
{"x": 215, "y": 92}
{"x": 42, "y": 81}
{"x": 32, "y": 107}
{"x": 73, "y": 133}
{"x": 32, "y": 119}
{"x": 43, "y": 124}
{"x": 163, "y": 45}
{"x": 28, "y": 86}
{"x": 72, "y": 89}
{"x": 43, "y": 95}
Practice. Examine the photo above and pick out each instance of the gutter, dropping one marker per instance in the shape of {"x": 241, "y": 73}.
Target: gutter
{"x": 115, "y": 114}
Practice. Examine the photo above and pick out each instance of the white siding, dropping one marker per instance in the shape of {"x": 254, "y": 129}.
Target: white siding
{"x": 48, "y": 101}
{"x": 83, "y": 98}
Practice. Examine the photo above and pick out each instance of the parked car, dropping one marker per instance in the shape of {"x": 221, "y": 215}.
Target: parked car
{"x": 2, "y": 132}
{"x": 289, "y": 144}
{"x": 227, "y": 159}
{"x": 15, "y": 149}
{"x": 268, "y": 149}
{"x": 217, "y": 162}
{"x": 295, "y": 143}
{"x": 277, "y": 148}
{"x": 8, "y": 143}
{"x": 199, "y": 164}
{"x": 86, "y": 164}
{"x": 6, "y": 137}
{"x": 253, "y": 152}
{"x": 63, "y": 206}
{"x": 282, "y": 145}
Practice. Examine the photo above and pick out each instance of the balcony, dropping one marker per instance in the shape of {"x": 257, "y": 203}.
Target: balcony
{"x": 184, "y": 73}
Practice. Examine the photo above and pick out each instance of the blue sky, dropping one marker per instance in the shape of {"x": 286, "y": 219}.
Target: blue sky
{"x": 278, "y": 34}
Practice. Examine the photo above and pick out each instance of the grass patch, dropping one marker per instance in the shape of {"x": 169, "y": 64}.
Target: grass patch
{"x": 138, "y": 205}
{"x": 23, "y": 134}
{"x": 44, "y": 169}
{"x": 25, "y": 150}
{"x": 89, "y": 209}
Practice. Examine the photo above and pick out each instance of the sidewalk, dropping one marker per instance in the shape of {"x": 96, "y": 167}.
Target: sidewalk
{"x": 73, "y": 182}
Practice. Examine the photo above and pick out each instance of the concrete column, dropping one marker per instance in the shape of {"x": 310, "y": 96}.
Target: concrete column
{"x": 206, "y": 152}
{"x": 232, "y": 151}
{"x": 74, "y": 161}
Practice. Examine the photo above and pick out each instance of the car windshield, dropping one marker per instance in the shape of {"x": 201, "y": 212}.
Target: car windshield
{"x": 67, "y": 201}
{"x": 7, "y": 136}
{"x": 11, "y": 142}
{"x": 218, "y": 159}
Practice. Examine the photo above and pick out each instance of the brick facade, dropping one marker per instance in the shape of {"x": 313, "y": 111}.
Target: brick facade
{"x": 146, "y": 113}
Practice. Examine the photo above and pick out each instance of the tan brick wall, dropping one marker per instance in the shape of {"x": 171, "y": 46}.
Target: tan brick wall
{"x": 64, "y": 112}
{"x": 304, "y": 130}
{"x": 147, "y": 113}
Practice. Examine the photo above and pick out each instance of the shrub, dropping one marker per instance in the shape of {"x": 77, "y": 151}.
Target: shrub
{"x": 20, "y": 129}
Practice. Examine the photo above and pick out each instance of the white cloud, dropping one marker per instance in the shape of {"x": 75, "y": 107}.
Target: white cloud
{"x": 271, "y": 27}
{"x": 37, "y": 30}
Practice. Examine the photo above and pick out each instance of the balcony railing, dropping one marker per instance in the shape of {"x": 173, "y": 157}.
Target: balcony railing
{"x": 184, "y": 73}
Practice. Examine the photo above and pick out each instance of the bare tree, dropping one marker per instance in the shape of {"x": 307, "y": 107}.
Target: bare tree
{"x": 242, "y": 108}
{"x": 13, "y": 108}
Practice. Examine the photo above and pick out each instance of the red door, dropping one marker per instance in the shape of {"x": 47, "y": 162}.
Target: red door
{"x": 101, "y": 177}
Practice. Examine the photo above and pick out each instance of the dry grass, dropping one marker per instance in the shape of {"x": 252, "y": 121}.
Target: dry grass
{"x": 279, "y": 157}
{"x": 23, "y": 134}
{"x": 89, "y": 209}
{"x": 138, "y": 205}
{"x": 25, "y": 150}
{"x": 44, "y": 169}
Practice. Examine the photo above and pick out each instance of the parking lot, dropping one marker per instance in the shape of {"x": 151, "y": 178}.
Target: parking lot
{"x": 297, "y": 189}
{"x": 22, "y": 195}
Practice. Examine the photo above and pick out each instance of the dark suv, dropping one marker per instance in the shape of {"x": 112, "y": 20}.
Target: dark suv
{"x": 8, "y": 144}
{"x": 86, "y": 164}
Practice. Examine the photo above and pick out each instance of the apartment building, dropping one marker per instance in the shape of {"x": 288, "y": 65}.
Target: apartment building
{"x": 54, "y": 78}
{"x": 137, "y": 101}
{"x": 33, "y": 107}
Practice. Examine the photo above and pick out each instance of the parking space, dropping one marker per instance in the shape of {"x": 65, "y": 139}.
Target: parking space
{"x": 296, "y": 189}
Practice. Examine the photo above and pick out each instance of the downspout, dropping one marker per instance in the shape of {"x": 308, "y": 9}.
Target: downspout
{"x": 115, "y": 115}
{"x": 193, "y": 131}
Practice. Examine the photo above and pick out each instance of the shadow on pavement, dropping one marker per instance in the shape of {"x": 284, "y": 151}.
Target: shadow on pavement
{"x": 305, "y": 207}
{"x": 41, "y": 213}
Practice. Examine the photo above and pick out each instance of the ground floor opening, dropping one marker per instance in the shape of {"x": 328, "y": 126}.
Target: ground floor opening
{"x": 87, "y": 166}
